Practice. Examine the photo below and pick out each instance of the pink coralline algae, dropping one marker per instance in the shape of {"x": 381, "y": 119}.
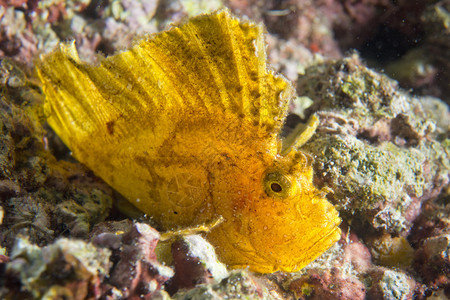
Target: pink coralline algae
{"x": 330, "y": 284}
{"x": 195, "y": 263}
{"x": 136, "y": 273}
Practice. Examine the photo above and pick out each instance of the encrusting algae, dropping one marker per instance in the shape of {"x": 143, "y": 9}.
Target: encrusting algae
{"x": 186, "y": 125}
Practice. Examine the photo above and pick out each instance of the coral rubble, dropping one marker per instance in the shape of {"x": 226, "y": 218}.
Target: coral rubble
{"x": 67, "y": 268}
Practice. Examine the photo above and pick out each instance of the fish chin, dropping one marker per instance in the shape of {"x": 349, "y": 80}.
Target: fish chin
{"x": 279, "y": 235}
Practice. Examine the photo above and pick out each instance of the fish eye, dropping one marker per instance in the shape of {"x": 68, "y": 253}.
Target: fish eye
{"x": 277, "y": 185}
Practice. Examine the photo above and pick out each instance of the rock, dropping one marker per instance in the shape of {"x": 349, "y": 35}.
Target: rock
{"x": 238, "y": 285}
{"x": 136, "y": 274}
{"x": 68, "y": 268}
{"x": 388, "y": 284}
{"x": 329, "y": 284}
{"x": 195, "y": 263}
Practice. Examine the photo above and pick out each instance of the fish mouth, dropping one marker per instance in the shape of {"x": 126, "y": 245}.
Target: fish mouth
{"x": 293, "y": 264}
{"x": 293, "y": 256}
{"x": 244, "y": 254}
{"x": 326, "y": 241}
{"x": 240, "y": 252}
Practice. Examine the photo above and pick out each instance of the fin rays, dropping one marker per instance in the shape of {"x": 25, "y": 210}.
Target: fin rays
{"x": 242, "y": 74}
{"x": 212, "y": 65}
{"x": 174, "y": 70}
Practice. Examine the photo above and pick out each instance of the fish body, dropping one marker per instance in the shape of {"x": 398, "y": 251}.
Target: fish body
{"x": 186, "y": 125}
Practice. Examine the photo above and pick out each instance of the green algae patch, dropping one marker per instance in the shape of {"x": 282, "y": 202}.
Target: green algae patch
{"x": 366, "y": 172}
{"x": 382, "y": 151}
{"x": 365, "y": 177}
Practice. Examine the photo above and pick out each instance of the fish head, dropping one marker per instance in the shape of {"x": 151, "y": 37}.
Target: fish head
{"x": 286, "y": 221}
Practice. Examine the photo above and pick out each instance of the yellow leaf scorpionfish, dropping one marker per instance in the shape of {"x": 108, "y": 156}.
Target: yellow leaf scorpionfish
{"x": 186, "y": 125}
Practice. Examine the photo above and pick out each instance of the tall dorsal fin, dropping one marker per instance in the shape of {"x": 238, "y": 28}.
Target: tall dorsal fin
{"x": 213, "y": 64}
